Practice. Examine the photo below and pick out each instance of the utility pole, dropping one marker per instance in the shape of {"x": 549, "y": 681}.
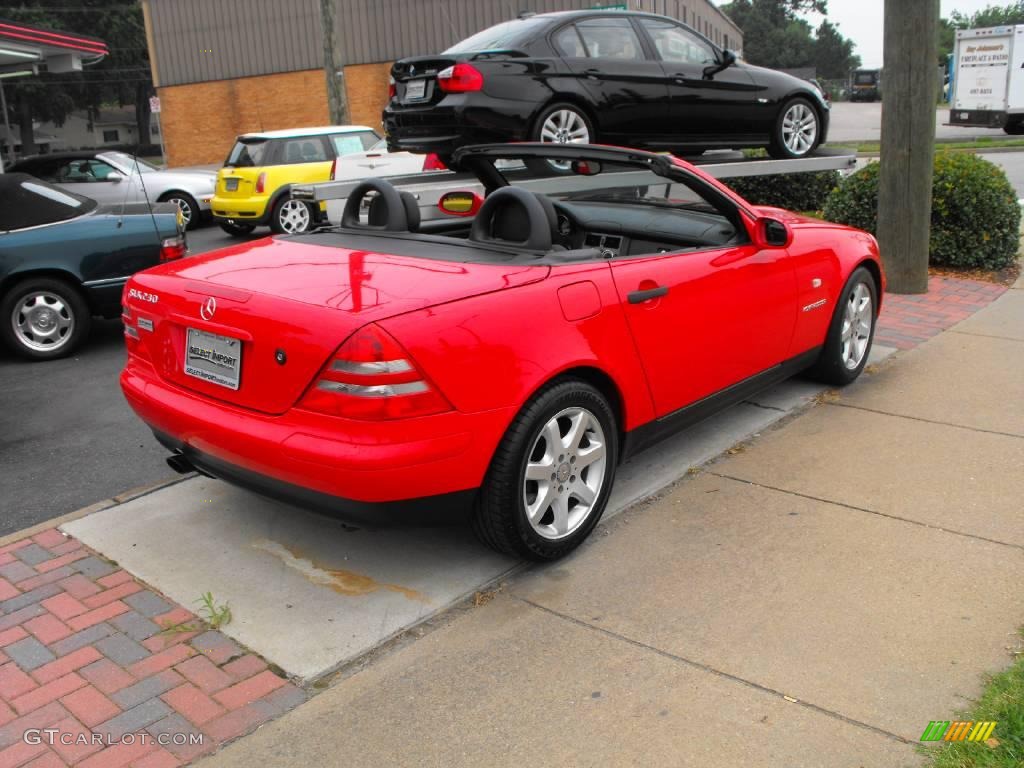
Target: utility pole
{"x": 7, "y": 128}
{"x": 908, "y": 142}
{"x": 334, "y": 64}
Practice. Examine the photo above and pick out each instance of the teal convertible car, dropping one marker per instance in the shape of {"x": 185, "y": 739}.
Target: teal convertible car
{"x": 65, "y": 258}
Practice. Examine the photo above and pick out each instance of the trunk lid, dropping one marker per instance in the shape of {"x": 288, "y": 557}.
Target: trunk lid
{"x": 300, "y": 299}
{"x": 417, "y": 72}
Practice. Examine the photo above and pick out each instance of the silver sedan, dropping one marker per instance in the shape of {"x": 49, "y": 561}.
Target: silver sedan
{"x": 117, "y": 177}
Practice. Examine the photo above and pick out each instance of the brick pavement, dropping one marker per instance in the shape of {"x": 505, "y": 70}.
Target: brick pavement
{"x": 82, "y": 650}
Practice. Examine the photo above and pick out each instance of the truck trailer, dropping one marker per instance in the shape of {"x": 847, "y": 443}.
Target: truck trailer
{"x": 988, "y": 79}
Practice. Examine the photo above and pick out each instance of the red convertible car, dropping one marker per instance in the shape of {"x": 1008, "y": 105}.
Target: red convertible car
{"x": 498, "y": 364}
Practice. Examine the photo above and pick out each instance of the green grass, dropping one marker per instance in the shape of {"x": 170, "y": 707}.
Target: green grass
{"x": 1002, "y": 701}
{"x": 977, "y": 145}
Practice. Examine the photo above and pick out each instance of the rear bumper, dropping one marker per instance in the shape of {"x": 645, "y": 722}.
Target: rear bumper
{"x": 457, "y": 120}
{"x": 243, "y": 210}
{"x": 978, "y": 117}
{"x": 414, "y": 470}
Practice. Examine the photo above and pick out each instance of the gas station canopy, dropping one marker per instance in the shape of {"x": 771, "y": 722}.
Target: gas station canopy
{"x": 23, "y": 48}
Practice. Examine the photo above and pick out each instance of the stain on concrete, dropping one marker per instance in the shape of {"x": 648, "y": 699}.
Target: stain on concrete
{"x": 344, "y": 582}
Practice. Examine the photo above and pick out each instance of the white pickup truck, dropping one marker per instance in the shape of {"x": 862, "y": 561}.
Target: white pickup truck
{"x": 988, "y": 79}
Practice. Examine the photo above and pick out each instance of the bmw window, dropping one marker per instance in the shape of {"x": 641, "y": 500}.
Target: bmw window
{"x": 610, "y": 39}
{"x": 676, "y": 44}
{"x": 506, "y": 35}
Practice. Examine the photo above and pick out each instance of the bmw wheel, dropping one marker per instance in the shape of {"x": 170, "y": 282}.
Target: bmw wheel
{"x": 797, "y": 130}
{"x": 851, "y": 331}
{"x": 188, "y": 206}
{"x": 291, "y": 217}
{"x": 43, "y": 318}
{"x": 552, "y": 474}
{"x": 562, "y": 123}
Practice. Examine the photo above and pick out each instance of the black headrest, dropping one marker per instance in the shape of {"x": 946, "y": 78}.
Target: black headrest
{"x": 390, "y": 210}
{"x": 513, "y": 216}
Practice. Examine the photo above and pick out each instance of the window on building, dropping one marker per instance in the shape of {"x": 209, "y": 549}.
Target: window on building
{"x": 608, "y": 38}
{"x": 677, "y": 44}
{"x": 111, "y": 136}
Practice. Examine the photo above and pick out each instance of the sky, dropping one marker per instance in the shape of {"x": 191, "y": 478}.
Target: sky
{"x": 861, "y": 21}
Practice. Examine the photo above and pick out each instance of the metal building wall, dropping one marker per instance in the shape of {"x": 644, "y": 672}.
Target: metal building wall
{"x": 199, "y": 40}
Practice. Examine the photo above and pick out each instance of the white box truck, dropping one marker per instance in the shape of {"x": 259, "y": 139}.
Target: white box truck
{"x": 988, "y": 79}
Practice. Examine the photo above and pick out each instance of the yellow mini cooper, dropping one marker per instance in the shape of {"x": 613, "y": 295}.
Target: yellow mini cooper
{"x": 253, "y": 186}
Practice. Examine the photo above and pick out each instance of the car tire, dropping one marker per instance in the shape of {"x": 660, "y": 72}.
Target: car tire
{"x": 189, "y": 207}
{"x": 797, "y": 130}
{"x": 291, "y": 217}
{"x": 44, "y": 318}
{"x": 567, "y": 505}
{"x": 560, "y": 123}
{"x": 236, "y": 230}
{"x": 848, "y": 343}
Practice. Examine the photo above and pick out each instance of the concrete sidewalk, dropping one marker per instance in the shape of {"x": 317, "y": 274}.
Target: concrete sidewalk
{"x": 812, "y": 599}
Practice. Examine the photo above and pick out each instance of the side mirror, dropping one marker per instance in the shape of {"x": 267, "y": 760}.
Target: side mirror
{"x": 460, "y": 203}
{"x": 115, "y": 176}
{"x": 771, "y": 233}
{"x": 726, "y": 60}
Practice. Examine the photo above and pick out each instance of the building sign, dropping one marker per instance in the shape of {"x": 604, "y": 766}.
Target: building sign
{"x": 154, "y": 105}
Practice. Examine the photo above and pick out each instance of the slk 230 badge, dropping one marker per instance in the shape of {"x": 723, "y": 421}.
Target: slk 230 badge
{"x": 152, "y": 298}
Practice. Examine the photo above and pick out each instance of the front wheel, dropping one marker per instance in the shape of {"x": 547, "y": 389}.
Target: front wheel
{"x": 291, "y": 217}
{"x": 850, "y": 333}
{"x": 797, "y": 131}
{"x": 44, "y": 319}
{"x": 552, "y": 474}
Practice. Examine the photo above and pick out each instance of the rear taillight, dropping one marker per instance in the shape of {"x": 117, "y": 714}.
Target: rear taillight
{"x": 433, "y": 163}
{"x": 392, "y": 89}
{"x": 261, "y": 182}
{"x": 371, "y": 377}
{"x": 460, "y": 78}
{"x": 334, "y": 167}
{"x": 172, "y": 248}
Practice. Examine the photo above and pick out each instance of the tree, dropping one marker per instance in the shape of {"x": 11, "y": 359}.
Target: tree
{"x": 123, "y": 77}
{"x": 775, "y": 36}
{"x": 833, "y": 53}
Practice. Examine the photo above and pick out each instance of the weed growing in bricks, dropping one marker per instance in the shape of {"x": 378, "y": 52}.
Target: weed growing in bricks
{"x": 211, "y": 614}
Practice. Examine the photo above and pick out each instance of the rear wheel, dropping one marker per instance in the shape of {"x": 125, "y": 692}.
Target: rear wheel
{"x": 850, "y": 333}
{"x": 561, "y": 123}
{"x": 235, "y": 230}
{"x": 44, "y": 318}
{"x": 552, "y": 474}
{"x": 188, "y": 206}
{"x": 291, "y": 217}
{"x": 797, "y": 130}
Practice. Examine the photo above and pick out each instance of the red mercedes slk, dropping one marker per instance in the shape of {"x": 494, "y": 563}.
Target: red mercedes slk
{"x": 496, "y": 365}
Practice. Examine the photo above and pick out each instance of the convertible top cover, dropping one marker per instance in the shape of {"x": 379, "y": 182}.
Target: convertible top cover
{"x": 25, "y": 201}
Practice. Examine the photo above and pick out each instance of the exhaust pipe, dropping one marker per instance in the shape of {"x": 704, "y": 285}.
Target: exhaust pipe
{"x": 180, "y": 464}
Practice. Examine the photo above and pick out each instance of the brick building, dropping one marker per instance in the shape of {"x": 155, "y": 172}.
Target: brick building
{"x": 231, "y": 66}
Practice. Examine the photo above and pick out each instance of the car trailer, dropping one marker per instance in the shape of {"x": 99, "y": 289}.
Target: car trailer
{"x": 428, "y": 188}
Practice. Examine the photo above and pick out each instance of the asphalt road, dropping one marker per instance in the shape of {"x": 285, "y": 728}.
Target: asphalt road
{"x": 67, "y": 438}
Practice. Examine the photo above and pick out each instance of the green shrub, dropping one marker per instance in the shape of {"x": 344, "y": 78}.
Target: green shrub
{"x": 975, "y": 214}
{"x": 795, "y": 191}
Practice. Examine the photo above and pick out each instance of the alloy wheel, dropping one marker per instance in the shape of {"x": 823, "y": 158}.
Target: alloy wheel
{"x": 293, "y": 216}
{"x": 565, "y": 473}
{"x": 564, "y": 126}
{"x": 186, "y": 210}
{"x": 43, "y": 321}
{"x": 799, "y": 129}
{"x": 858, "y": 318}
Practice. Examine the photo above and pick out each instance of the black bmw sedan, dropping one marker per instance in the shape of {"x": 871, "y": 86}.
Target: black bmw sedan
{"x": 630, "y": 79}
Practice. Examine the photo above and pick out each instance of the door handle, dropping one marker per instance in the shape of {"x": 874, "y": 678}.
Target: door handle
{"x": 639, "y": 297}
{"x": 593, "y": 74}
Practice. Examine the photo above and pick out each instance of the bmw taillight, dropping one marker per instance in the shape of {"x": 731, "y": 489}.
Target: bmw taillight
{"x": 392, "y": 89}
{"x": 372, "y": 377}
{"x": 172, "y": 248}
{"x": 460, "y": 78}
{"x": 433, "y": 163}
{"x": 261, "y": 182}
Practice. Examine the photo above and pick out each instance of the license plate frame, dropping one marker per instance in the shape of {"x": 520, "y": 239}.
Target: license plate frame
{"x": 416, "y": 90}
{"x": 213, "y": 358}
{"x": 231, "y": 184}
